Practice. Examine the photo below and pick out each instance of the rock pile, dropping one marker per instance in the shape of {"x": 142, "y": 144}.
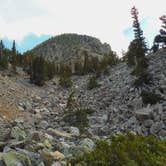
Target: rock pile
{"x": 38, "y": 134}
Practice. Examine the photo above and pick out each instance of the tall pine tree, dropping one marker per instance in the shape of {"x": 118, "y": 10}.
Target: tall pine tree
{"x": 14, "y": 57}
{"x": 3, "y": 57}
{"x": 1, "y": 49}
{"x": 38, "y": 74}
{"x": 140, "y": 45}
{"x": 139, "y": 51}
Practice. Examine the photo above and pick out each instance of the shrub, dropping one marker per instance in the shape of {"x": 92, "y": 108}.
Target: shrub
{"x": 75, "y": 115}
{"x": 92, "y": 83}
{"x": 143, "y": 78}
{"x": 125, "y": 150}
{"x": 150, "y": 97}
{"x": 78, "y": 118}
{"x": 65, "y": 81}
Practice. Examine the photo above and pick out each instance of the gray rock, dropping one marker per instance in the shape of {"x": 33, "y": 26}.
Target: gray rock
{"x": 131, "y": 121}
{"x": 162, "y": 133}
{"x": 43, "y": 124}
{"x": 74, "y": 131}
{"x": 87, "y": 144}
{"x": 156, "y": 127}
{"x": 144, "y": 113}
{"x": 56, "y": 164}
{"x": 18, "y": 133}
{"x": 148, "y": 123}
{"x": 65, "y": 148}
{"x": 16, "y": 159}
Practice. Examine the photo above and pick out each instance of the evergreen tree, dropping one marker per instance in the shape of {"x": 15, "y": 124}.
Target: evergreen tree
{"x": 50, "y": 70}
{"x": 38, "y": 74}
{"x": 1, "y": 49}
{"x": 79, "y": 69}
{"x": 87, "y": 63}
{"x": 140, "y": 51}
{"x": 3, "y": 57}
{"x": 4, "y": 62}
{"x": 140, "y": 45}
{"x": 131, "y": 54}
{"x": 14, "y": 57}
{"x": 161, "y": 38}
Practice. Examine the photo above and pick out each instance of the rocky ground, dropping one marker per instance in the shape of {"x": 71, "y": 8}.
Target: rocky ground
{"x": 32, "y": 129}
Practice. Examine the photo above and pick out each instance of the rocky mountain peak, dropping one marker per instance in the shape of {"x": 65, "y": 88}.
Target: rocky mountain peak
{"x": 68, "y": 46}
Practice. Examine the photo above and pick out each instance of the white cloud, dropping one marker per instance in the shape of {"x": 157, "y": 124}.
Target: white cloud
{"x": 104, "y": 19}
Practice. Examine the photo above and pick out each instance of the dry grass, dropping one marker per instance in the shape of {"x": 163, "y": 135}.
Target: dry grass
{"x": 9, "y": 112}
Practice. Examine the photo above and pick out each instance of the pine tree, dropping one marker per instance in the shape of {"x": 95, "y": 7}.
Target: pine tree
{"x": 1, "y": 49}
{"x": 87, "y": 63}
{"x": 38, "y": 74}
{"x": 139, "y": 52}
{"x": 3, "y": 57}
{"x": 50, "y": 70}
{"x": 14, "y": 57}
{"x": 131, "y": 54}
{"x": 139, "y": 40}
{"x": 140, "y": 45}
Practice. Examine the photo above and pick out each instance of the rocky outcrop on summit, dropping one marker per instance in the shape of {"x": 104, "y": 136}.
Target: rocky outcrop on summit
{"x": 67, "y": 46}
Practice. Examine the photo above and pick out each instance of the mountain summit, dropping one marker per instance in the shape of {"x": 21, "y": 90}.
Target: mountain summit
{"x": 67, "y": 46}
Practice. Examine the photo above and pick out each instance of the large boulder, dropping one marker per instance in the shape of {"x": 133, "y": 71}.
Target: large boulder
{"x": 13, "y": 158}
{"x": 50, "y": 157}
{"x": 144, "y": 113}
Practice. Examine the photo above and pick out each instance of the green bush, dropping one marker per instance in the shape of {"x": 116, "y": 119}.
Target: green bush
{"x": 92, "y": 83}
{"x": 150, "y": 97}
{"x": 144, "y": 78}
{"x": 65, "y": 81}
{"x": 125, "y": 150}
{"x": 78, "y": 118}
{"x": 4, "y": 62}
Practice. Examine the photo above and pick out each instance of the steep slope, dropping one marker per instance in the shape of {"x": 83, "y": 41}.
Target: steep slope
{"x": 118, "y": 108}
{"x": 68, "y": 46}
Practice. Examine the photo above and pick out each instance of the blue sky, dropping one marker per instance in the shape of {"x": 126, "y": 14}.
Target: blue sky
{"x": 33, "y": 21}
{"x": 27, "y": 43}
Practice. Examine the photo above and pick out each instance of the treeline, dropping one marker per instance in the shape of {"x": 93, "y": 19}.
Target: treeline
{"x": 41, "y": 70}
{"x": 9, "y": 56}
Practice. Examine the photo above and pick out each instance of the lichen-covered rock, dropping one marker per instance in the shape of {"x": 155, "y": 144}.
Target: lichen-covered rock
{"x": 74, "y": 131}
{"x": 87, "y": 144}
{"x": 157, "y": 127}
{"x": 18, "y": 133}
{"x": 49, "y": 157}
{"x": 15, "y": 159}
